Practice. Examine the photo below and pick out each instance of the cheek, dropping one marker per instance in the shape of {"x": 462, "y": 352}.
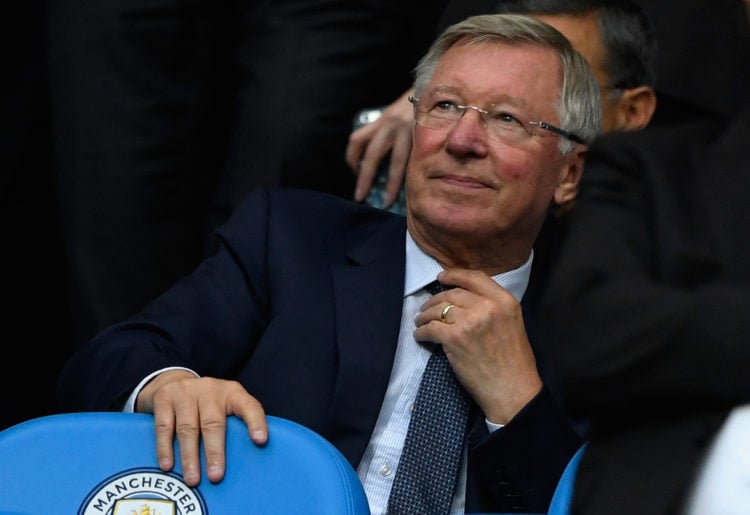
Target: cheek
{"x": 427, "y": 144}
{"x": 426, "y": 141}
{"x": 515, "y": 166}
{"x": 528, "y": 180}
{"x": 519, "y": 173}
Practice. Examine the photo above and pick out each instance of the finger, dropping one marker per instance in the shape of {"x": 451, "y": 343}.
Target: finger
{"x": 399, "y": 159}
{"x": 254, "y": 416}
{"x": 187, "y": 429}
{"x": 432, "y": 329}
{"x": 378, "y": 150}
{"x": 474, "y": 281}
{"x": 358, "y": 141}
{"x": 164, "y": 426}
{"x": 243, "y": 405}
{"x": 157, "y": 398}
{"x": 441, "y": 312}
{"x": 365, "y": 177}
{"x": 445, "y": 313}
{"x": 454, "y": 294}
{"x": 213, "y": 429}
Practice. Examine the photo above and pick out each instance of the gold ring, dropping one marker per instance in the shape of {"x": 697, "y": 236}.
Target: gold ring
{"x": 444, "y": 312}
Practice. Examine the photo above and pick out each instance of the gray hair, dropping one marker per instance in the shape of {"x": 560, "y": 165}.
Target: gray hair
{"x": 579, "y": 103}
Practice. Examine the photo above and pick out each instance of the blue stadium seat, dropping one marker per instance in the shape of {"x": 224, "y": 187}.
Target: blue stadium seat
{"x": 560, "y": 504}
{"x": 105, "y": 464}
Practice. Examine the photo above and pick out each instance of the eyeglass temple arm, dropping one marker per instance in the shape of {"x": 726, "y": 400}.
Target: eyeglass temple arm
{"x": 561, "y": 132}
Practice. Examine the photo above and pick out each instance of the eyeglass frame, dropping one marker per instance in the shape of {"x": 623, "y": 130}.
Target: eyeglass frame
{"x": 542, "y": 125}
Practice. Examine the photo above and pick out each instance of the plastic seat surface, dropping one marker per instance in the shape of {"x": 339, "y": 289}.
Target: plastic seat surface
{"x": 105, "y": 464}
{"x": 563, "y": 496}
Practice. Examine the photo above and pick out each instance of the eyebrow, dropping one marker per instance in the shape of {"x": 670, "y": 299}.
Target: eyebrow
{"x": 503, "y": 99}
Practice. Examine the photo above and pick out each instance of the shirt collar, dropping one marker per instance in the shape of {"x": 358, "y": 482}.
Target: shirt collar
{"x": 421, "y": 269}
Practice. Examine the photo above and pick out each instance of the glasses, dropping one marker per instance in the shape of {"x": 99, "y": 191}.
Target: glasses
{"x": 444, "y": 114}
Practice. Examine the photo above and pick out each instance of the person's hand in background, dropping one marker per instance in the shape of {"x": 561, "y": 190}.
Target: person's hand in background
{"x": 370, "y": 144}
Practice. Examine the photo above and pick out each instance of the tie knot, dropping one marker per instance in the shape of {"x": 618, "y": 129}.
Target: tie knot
{"x": 436, "y": 287}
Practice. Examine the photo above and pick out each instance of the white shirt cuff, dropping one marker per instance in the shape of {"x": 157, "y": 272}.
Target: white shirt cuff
{"x": 129, "y": 406}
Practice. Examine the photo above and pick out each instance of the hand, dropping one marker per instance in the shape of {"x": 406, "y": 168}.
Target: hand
{"x": 485, "y": 340}
{"x": 195, "y": 408}
{"x": 371, "y": 143}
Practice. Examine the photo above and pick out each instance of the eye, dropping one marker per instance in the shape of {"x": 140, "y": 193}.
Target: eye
{"x": 445, "y": 110}
{"x": 505, "y": 118}
{"x": 444, "y": 106}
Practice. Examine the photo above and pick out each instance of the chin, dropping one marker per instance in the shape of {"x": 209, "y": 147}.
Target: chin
{"x": 454, "y": 218}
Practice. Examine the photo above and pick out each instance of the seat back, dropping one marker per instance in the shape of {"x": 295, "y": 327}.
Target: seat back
{"x": 105, "y": 464}
{"x": 563, "y": 496}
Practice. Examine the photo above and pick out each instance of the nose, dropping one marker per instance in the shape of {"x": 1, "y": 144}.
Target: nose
{"x": 482, "y": 112}
{"x": 469, "y": 135}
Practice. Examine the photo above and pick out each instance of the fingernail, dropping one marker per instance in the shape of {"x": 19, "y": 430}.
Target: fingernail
{"x": 258, "y": 436}
{"x": 190, "y": 475}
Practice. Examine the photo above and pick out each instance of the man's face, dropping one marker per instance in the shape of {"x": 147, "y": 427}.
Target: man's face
{"x": 583, "y": 33}
{"x": 466, "y": 182}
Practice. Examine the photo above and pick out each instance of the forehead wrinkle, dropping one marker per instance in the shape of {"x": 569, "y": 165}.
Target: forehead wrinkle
{"x": 502, "y": 99}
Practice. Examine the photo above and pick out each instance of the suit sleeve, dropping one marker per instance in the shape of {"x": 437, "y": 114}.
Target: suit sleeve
{"x": 208, "y": 322}
{"x": 516, "y": 468}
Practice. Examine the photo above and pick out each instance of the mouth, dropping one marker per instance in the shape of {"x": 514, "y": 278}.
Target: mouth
{"x": 462, "y": 181}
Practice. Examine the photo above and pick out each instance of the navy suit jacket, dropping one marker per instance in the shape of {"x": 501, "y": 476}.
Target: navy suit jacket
{"x": 301, "y": 303}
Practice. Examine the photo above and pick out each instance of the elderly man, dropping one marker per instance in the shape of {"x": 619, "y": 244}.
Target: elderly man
{"x": 614, "y": 36}
{"x": 323, "y": 311}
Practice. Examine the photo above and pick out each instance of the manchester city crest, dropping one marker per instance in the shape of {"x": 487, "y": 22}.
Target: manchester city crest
{"x": 144, "y": 491}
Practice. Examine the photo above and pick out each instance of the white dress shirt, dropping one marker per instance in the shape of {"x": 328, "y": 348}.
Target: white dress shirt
{"x": 378, "y": 466}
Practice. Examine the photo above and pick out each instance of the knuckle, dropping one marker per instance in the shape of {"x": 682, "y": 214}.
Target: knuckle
{"x": 210, "y": 425}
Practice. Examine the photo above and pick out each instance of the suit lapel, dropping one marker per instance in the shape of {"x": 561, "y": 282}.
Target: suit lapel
{"x": 368, "y": 297}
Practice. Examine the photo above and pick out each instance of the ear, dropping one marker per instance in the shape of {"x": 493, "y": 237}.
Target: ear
{"x": 635, "y": 107}
{"x": 570, "y": 177}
